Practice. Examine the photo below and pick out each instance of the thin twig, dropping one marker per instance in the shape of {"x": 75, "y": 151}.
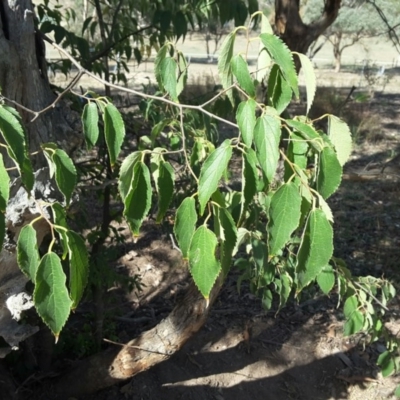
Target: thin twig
{"x": 136, "y": 347}
{"x": 371, "y": 295}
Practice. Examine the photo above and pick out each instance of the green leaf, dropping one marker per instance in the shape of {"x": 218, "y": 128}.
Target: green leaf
{"x": 284, "y": 216}
{"x": 260, "y": 254}
{"x": 228, "y": 235}
{"x": 165, "y": 184}
{"x": 323, "y": 205}
{"x": 185, "y": 224}
{"x": 27, "y": 252}
{"x": 282, "y": 56}
{"x": 183, "y": 73}
{"x": 263, "y": 59}
{"x": 397, "y": 391}
{"x": 61, "y": 220}
{"x": 296, "y": 153}
{"x": 326, "y": 279}
{"x": 316, "y": 247}
{"x": 14, "y": 136}
{"x": 267, "y": 299}
{"x": 350, "y": 305}
{"x": 329, "y": 172}
{"x": 48, "y": 151}
{"x": 246, "y": 119}
{"x": 285, "y": 290}
{"x": 168, "y": 77}
{"x": 90, "y": 123}
{"x": 242, "y": 236}
{"x": 50, "y": 296}
{"x": 162, "y": 53}
{"x": 249, "y": 179}
{"x": 126, "y": 173}
{"x": 224, "y": 62}
{"x": 308, "y": 133}
{"x": 340, "y": 136}
{"x": 279, "y": 91}
{"x": 65, "y": 173}
{"x": 79, "y": 267}
{"x": 387, "y": 364}
{"x": 242, "y": 74}
{"x": 267, "y": 134}
{"x": 211, "y": 172}
{"x": 138, "y": 201}
{"x": 2, "y": 229}
{"x": 309, "y": 79}
{"x": 204, "y": 267}
{"x": 114, "y": 131}
{"x": 4, "y": 186}
{"x": 354, "y": 324}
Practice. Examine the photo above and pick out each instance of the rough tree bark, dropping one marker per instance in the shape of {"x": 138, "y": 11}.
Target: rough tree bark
{"x": 140, "y": 354}
{"x": 294, "y": 32}
{"x": 23, "y": 79}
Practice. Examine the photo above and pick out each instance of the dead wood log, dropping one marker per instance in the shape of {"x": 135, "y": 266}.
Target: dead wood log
{"x": 150, "y": 348}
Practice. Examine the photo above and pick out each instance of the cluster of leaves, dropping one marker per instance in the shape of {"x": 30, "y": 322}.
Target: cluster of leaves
{"x": 276, "y": 227}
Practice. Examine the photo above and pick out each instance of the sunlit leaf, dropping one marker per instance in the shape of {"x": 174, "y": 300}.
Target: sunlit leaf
{"x": 329, "y": 173}
{"x": 204, "y": 267}
{"x": 126, "y": 173}
{"x": 326, "y": 279}
{"x": 316, "y": 247}
{"x": 263, "y": 59}
{"x": 114, "y": 131}
{"x": 282, "y": 56}
{"x": 78, "y": 267}
{"x": 340, "y": 136}
{"x": 50, "y": 296}
{"x": 246, "y": 118}
{"x": 14, "y": 136}
{"x": 211, "y": 172}
{"x": 309, "y": 78}
{"x": 90, "y": 122}
{"x": 65, "y": 173}
{"x": 165, "y": 184}
{"x": 4, "y": 186}
{"x": 242, "y": 74}
{"x": 267, "y": 134}
{"x": 168, "y": 76}
{"x": 27, "y": 252}
{"x": 224, "y": 62}
{"x": 185, "y": 224}
{"x": 138, "y": 201}
{"x": 284, "y": 216}
{"x": 279, "y": 91}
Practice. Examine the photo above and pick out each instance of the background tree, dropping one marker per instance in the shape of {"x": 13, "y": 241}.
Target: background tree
{"x": 297, "y": 34}
{"x": 357, "y": 20}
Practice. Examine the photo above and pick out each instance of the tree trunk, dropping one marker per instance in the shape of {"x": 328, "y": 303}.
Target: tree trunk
{"x": 138, "y": 355}
{"x": 290, "y": 27}
{"x": 23, "y": 79}
{"x": 337, "y": 51}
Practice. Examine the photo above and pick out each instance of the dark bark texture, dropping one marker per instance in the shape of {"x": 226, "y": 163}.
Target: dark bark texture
{"x": 23, "y": 79}
{"x": 290, "y": 27}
